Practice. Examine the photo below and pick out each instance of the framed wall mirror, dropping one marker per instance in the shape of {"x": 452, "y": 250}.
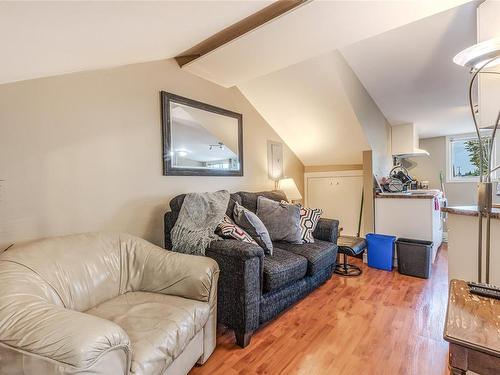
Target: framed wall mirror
{"x": 200, "y": 139}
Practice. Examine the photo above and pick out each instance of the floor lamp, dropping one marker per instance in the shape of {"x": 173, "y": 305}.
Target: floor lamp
{"x": 479, "y": 57}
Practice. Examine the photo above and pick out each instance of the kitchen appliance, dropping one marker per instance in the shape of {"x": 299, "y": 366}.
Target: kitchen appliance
{"x": 401, "y": 173}
{"x": 405, "y": 142}
{"x": 394, "y": 185}
{"x": 399, "y": 180}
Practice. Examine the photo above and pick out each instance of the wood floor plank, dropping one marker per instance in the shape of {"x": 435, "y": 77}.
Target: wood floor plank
{"x": 379, "y": 323}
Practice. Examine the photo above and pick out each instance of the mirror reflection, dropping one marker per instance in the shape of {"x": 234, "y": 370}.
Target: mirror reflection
{"x": 202, "y": 139}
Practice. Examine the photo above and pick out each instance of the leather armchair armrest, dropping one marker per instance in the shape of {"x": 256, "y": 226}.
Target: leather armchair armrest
{"x": 327, "y": 230}
{"x": 188, "y": 276}
{"x": 40, "y": 329}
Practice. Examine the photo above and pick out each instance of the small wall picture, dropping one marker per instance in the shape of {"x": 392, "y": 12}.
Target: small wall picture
{"x": 275, "y": 160}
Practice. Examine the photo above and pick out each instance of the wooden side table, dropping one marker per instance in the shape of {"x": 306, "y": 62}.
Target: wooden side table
{"x": 472, "y": 328}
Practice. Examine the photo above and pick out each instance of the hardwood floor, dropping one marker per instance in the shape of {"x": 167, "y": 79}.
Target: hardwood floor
{"x": 378, "y": 323}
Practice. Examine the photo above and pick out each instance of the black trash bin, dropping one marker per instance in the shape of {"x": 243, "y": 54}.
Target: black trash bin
{"x": 414, "y": 257}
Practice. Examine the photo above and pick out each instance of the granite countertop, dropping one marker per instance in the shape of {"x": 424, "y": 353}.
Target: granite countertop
{"x": 470, "y": 211}
{"x": 429, "y": 195}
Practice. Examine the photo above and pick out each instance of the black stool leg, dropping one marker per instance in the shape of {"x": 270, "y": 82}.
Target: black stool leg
{"x": 346, "y": 269}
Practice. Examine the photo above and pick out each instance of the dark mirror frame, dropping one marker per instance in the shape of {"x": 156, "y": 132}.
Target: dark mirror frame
{"x": 168, "y": 170}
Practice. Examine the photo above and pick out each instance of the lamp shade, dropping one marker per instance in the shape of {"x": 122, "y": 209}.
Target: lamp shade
{"x": 288, "y": 186}
{"x": 478, "y": 54}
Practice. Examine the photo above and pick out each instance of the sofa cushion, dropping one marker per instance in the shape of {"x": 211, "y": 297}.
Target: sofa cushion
{"x": 282, "y": 268}
{"x": 249, "y": 200}
{"x": 319, "y": 255}
{"x": 159, "y": 326}
{"x": 309, "y": 218}
{"x": 251, "y": 223}
{"x": 228, "y": 229}
{"x": 282, "y": 220}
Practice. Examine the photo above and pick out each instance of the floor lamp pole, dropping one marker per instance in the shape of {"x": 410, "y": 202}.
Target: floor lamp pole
{"x": 485, "y": 190}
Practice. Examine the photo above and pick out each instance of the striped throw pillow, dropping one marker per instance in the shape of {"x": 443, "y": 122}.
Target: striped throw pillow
{"x": 227, "y": 228}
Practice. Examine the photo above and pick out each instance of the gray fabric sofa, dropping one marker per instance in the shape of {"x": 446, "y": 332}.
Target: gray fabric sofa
{"x": 254, "y": 288}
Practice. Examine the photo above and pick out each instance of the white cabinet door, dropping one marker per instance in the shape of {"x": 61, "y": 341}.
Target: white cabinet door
{"x": 403, "y": 217}
{"x": 339, "y": 197}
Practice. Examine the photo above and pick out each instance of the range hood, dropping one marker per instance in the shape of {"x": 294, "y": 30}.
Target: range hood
{"x": 405, "y": 141}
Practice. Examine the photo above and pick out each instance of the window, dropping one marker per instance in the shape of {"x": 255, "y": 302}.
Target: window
{"x": 463, "y": 157}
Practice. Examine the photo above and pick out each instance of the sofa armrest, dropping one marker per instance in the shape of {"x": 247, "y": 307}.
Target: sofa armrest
{"x": 169, "y": 220}
{"x": 235, "y": 249}
{"x": 240, "y": 283}
{"x": 71, "y": 338}
{"x": 327, "y": 230}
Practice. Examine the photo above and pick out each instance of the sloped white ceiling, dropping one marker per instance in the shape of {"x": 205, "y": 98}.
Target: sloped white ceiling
{"x": 42, "y": 38}
{"x": 401, "y": 52}
{"x": 308, "y": 31}
{"x": 410, "y": 74}
{"x": 307, "y": 106}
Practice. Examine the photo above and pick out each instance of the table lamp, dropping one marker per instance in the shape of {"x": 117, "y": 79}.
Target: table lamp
{"x": 288, "y": 186}
{"x": 478, "y": 57}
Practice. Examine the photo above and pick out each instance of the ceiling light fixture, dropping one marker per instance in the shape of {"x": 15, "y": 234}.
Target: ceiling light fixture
{"x": 478, "y": 54}
{"x": 219, "y": 145}
{"x": 479, "y": 57}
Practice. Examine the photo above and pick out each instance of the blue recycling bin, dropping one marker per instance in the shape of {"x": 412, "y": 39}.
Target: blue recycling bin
{"x": 380, "y": 251}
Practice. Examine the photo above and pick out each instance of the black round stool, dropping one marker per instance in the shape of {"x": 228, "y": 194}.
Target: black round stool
{"x": 349, "y": 246}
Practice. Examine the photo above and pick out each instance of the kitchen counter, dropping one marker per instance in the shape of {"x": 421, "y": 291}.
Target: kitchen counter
{"x": 463, "y": 239}
{"x": 413, "y": 215}
{"x": 406, "y": 196}
{"x": 469, "y": 211}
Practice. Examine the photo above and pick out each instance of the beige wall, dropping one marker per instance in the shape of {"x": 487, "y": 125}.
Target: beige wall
{"x": 428, "y": 168}
{"x": 82, "y": 152}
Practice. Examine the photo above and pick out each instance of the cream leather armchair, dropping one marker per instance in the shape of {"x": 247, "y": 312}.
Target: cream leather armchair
{"x": 105, "y": 303}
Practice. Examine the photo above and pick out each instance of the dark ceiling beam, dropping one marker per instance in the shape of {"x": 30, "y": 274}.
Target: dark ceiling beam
{"x": 238, "y": 29}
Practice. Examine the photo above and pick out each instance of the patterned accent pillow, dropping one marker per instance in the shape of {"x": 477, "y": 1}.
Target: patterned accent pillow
{"x": 227, "y": 228}
{"x": 309, "y": 218}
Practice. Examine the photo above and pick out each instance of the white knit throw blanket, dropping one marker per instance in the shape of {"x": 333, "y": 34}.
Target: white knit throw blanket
{"x": 198, "y": 218}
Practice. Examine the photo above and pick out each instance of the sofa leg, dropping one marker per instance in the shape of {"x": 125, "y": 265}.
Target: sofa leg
{"x": 243, "y": 338}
